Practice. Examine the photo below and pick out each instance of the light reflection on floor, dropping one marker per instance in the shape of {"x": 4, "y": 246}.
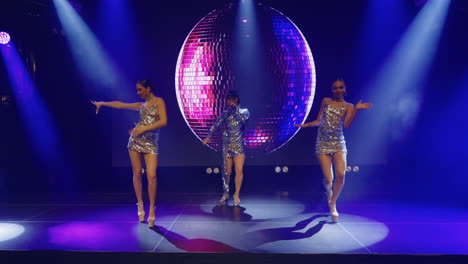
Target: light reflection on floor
{"x": 260, "y": 224}
{"x": 10, "y": 231}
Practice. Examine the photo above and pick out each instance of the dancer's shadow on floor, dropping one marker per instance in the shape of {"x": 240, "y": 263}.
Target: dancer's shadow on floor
{"x": 194, "y": 245}
{"x": 250, "y": 240}
{"x": 235, "y": 213}
{"x": 260, "y": 237}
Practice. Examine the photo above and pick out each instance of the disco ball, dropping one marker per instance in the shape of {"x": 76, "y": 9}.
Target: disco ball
{"x": 278, "y": 95}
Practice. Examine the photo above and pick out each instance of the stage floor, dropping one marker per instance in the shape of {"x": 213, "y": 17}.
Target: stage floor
{"x": 274, "y": 223}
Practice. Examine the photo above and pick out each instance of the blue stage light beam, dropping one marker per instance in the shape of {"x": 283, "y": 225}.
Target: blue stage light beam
{"x": 119, "y": 33}
{"x": 397, "y": 90}
{"x": 382, "y": 26}
{"x": 31, "y": 106}
{"x": 247, "y": 52}
{"x": 94, "y": 64}
{"x": 37, "y": 120}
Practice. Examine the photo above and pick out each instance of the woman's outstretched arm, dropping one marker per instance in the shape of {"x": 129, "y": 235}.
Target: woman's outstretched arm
{"x": 117, "y": 105}
{"x": 316, "y": 122}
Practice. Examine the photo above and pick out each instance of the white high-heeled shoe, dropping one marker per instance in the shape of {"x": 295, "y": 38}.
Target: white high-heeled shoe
{"x": 223, "y": 201}
{"x": 151, "y": 219}
{"x": 333, "y": 212}
{"x": 141, "y": 213}
{"x": 236, "y": 201}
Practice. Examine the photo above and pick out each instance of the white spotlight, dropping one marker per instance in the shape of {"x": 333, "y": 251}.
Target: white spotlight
{"x": 216, "y": 170}
{"x": 9, "y": 231}
{"x": 355, "y": 168}
{"x": 209, "y": 170}
{"x": 277, "y": 169}
{"x": 285, "y": 169}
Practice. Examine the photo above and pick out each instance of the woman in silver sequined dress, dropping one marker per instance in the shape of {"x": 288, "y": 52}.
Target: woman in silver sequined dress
{"x": 233, "y": 119}
{"x": 143, "y": 142}
{"x": 335, "y": 114}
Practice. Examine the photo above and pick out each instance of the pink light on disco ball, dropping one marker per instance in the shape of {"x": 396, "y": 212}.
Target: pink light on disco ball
{"x": 205, "y": 73}
{"x": 4, "y": 38}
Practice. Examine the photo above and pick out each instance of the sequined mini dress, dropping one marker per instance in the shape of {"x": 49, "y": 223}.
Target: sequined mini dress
{"x": 330, "y": 137}
{"x": 234, "y": 120}
{"x": 147, "y": 142}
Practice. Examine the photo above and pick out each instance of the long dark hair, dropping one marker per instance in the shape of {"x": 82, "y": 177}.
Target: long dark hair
{"x": 146, "y": 83}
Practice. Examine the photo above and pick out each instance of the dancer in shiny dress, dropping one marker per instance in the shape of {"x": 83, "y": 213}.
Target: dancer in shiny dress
{"x": 233, "y": 146}
{"x": 143, "y": 142}
{"x": 330, "y": 148}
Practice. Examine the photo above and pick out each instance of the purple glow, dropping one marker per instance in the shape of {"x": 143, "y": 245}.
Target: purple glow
{"x": 90, "y": 235}
{"x": 4, "y": 38}
{"x": 204, "y": 75}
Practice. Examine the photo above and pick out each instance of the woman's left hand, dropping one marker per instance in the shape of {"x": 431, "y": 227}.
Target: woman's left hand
{"x": 138, "y": 130}
{"x": 361, "y": 105}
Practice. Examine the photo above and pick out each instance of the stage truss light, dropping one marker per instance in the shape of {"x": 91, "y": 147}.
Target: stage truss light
{"x": 4, "y": 38}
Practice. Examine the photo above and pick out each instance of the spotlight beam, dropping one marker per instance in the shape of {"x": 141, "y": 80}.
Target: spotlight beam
{"x": 35, "y": 115}
{"x": 93, "y": 62}
{"x": 396, "y": 90}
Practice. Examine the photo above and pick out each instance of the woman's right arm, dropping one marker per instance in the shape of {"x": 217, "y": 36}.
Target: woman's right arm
{"x": 316, "y": 122}
{"x": 215, "y": 126}
{"x": 117, "y": 104}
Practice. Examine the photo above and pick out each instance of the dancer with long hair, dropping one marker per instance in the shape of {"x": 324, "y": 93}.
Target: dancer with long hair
{"x": 143, "y": 142}
{"x": 335, "y": 114}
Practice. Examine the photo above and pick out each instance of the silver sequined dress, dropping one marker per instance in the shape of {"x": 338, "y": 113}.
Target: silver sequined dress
{"x": 330, "y": 137}
{"x": 233, "y": 136}
{"x": 234, "y": 121}
{"x": 147, "y": 142}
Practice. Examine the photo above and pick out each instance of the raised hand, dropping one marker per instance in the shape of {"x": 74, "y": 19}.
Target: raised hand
{"x": 361, "y": 105}
{"x": 98, "y": 105}
{"x": 296, "y": 125}
{"x": 206, "y": 141}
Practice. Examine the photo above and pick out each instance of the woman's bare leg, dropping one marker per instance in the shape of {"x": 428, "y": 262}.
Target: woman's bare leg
{"x": 339, "y": 160}
{"x": 151, "y": 161}
{"x": 135, "y": 158}
{"x": 326, "y": 165}
{"x": 239, "y": 167}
